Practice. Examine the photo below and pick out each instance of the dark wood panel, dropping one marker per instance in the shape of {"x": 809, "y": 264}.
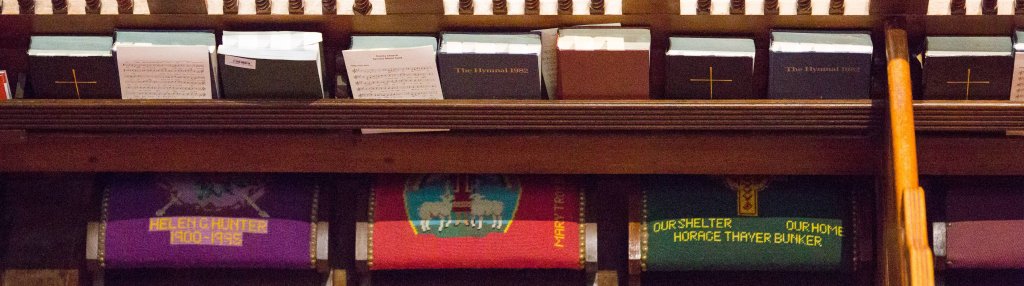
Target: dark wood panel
{"x": 99, "y": 115}
{"x": 44, "y": 217}
{"x": 970, "y": 155}
{"x": 456, "y": 152}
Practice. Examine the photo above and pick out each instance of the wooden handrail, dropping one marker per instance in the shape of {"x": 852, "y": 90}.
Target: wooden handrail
{"x": 907, "y": 259}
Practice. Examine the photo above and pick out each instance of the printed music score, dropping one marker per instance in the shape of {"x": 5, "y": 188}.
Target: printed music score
{"x": 409, "y": 73}
{"x": 165, "y": 72}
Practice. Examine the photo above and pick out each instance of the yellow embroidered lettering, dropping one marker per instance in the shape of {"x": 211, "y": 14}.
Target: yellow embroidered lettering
{"x": 558, "y": 218}
{"x": 218, "y": 231}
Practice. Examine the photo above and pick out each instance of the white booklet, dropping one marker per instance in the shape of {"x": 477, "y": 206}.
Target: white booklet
{"x": 166, "y": 64}
{"x": 404, "y": 73}
{"x": 393, "y": 67}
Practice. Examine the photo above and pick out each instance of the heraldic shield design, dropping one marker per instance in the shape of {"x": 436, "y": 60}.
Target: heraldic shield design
{"x": 208, "y": 220}
{"x": 475, "y": 221}
{"x": 461, "y": 205}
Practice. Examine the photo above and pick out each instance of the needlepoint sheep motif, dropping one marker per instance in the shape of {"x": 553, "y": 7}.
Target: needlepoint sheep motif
{"x": 461, "y": 205}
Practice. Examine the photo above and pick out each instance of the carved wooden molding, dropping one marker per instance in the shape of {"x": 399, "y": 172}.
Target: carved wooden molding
{"x": 465, "y": 7}
{"x": 564, "y": 7}
{"x": 263, "y": 7}
{"x": 596, "y": 7}
{"x": 125, "y": 7}
{"x": 703, "y": 7}
{"x": 500, "y": 7}
{"x": 737, "y": 7}
{"x": 362, "y": 7}
{"x": 837, "y": 7}
{"x": 330, "y": 7}
{"x": 506, "y": 152}
{"x": 230, "y": 7}
{"x": 958, "y": 7}
{"x": 60, "y": 7}
{"x": 988, "y": 7}
{"x": 26, "y": 7}
{"x": 803, "y": 7}
{"x": 532, "y": 7}
{"x": 849, "y": 115}
{"x": 93, "y": 6}
{"x": 771, "y": 7}
{"x": 969, "y": 116}
{"x": 296, "y": 7}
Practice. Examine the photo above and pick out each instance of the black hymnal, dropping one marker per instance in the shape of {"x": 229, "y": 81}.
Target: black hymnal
{"x": 490, "y": 66}
{"x": 820, "y": 65}
{"x": 709, "y": 68}
{"x": 271, "y": 65}
{"x": 968, "y": 68}
{"x": 72, "y": 67}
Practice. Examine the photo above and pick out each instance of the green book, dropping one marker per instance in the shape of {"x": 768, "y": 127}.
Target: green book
{"x": 72, "y": 67}
{"x": 748, "y": 223}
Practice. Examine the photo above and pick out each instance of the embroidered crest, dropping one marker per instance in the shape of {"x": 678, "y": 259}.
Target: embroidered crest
{"x": 461, "y": 205}
{"x": 216, "y": 195}
{"x": 746, "y": 188}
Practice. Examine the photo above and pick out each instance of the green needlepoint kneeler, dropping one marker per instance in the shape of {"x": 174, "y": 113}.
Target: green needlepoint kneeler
{"x": 747, "y": 223}
{"x": 475, "y": 221}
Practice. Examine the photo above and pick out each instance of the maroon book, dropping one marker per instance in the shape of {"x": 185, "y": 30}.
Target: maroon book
{"x": 590, "y": 67}
{"x": 985, "y": 219}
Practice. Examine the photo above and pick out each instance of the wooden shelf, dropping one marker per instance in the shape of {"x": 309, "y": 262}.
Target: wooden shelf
{"x": 969, "y": 137}
{"x": 971, "y": 155}
{"x": 141, "y": 115}
{"x": 444, "y": 152}
{"x": 573, "y": 137}
{"x": 969, "y": 116}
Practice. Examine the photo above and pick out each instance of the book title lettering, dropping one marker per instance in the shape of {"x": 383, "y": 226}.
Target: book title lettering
{"x": 813, "y": 69}
{"x": 493, "y": 70}
{"x": 388, "y": 57}
{"x": 240, "y": 62}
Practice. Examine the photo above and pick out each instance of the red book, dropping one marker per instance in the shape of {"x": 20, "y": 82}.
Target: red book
{"x": 5, "y": 86}
{"x": 604, "y": 63}
{"x": 475, "y": 221}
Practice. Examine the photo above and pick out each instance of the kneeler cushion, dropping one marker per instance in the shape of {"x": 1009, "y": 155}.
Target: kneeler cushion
{"x": 209, "y": 221}
{"x": 475, "y": 221}
{"x": 747, "y": 223}
{"x": 985, "y": 223}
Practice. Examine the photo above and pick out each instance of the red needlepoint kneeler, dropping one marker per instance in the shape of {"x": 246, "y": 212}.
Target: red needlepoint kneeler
{"x": 475, "y": 221}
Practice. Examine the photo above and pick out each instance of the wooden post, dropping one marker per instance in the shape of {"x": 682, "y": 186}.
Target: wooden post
{"x": 906, "y": 258}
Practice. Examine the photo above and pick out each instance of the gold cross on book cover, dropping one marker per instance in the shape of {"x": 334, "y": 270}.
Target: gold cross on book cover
{"x": 74, "y": 80}
{"x": 967, "y": 84}
{"x": 711, "y": 81}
